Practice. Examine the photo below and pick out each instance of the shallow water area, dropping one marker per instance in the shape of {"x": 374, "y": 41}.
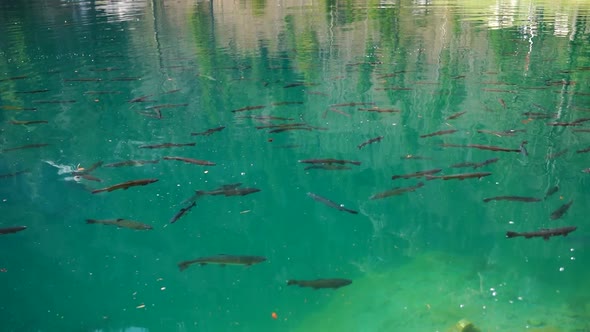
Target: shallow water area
{"x": 390, "y": 143}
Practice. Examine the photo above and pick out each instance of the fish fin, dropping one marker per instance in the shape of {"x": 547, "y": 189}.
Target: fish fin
{"x": 510, "y": 234}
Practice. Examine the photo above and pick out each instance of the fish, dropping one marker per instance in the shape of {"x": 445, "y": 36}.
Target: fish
{"x": 124, "y": 223}
{"x": 455, "y": 115}
{"x": 564, "y": 124}
{"x": 182, "y": 212}
{"x": 228, "y": 190}
{"x": 328, "y": 167}
{"x": 248, "y": 108}
{"x": 223, "y": 260}
{"x": 561, "y": 210}
{"x": 208, "y": 131}
{"x": 166, "y": 106}
{"x": 545, "y": 233}
{"x": 557, "y": 154}
{"x": 191, "y": 161}
{"x": 282, "y": 103}
{"x": 125, "y": 79}
{"x": 126, "y": 185}
{"x": 396, "y": 191}
{"x": 353, "y": 104}
{"x": 380, "y": 110}
{"x": 417, "y": 174}
{"x": 34, "y": 91}
{"x": 140, "y": 99}
{"x": 28, "y": 146}
{"x": 481, "y": 147}
{"x": 14, "y": 78}
{"x": 438, "y": 133}
{"x": 583, "y": 150}
{"x": 329, "y": 161}
{"x": 166, "y": 145}
{"x": 513, "y": 198}
{"x": 17, "y": 122}
{"x": 485, "y": 163}
{"x": 10, "y": 175}
{"x": 586, "y": 170}
{"x": 370, "y": 141}
{"x": 510, "y": 132}
{"x": 132, "y": 163}
{"x": 551, "y": 191}
{"x": 459, "y": 176}
{"x": 465, "y": 164}
{"x": 321, "y": 283}
{"x": 330, "y": 203}
{"x": 83, "y": 79}
{"x": 14, "y": 229}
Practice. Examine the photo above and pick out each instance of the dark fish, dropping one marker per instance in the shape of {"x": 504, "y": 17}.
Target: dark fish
{"x": 166, "y": 106}
{"x": 208, "y": 131}
{"x": 545, "y": 233}
{"x": 585, "y": 130}
{"x": 352, "y": 104}
{"x": 458, "y": 176}
{"x": 16, "y": 108}
{"x": 166, "y": 145}
{"x": 330, "y": 203}
{"x": 248, "y": 108}
{"x": 370, "y": 141}
{"x": 329, "y": 161}
{"x": 132, "y": 163}
{"x": 70, "y": 101}
{"x": 34, "y": 91}
{"x": 564, "y": 124}
{"x": 126, "y": 185}
{"x": 561, "y": 210}
{"x": 321, "y": 283}
{"x": 17, "y": 122}
{"x": 510, "y": 132}
{"x": 182, "y": 212}
{"x": 417, "y": 174}
{"x": 456, "y": 115}
{"x": 551, "y": 191}
{"x": 281, "y": 103}
{"x": 264, "y": 118}
{"x": 280, "y": 130}
{"x": 14, "y": 78}
{"x": 513, "y": 198}
{"x": 539, "y": 115}
{"x": 379, "y": 110}
{"x": 485, "y": 163}
{"x": 328, "y": 167}
{"x": 140, "y": 99}
{"x": 125, "y": 79}
{"x": 228, "y": 190}
{"x": 83, "y": 79}
{"x": 28, "y": 146}
{"x": 294, "y": 85}
{"x": 396, "y": 191}
{"x": 438, "y": 133}
{"x": 583, "y": 150}
{"x": 481, "y": 147}
{"x": 15, "y": 229}
{"x": 10, "y": 175}
{"x": 124, "y": 223}
{"x": 223, "y": 260}
{"x": 283, "y": 125}
{"x": 465, "y": 164}
{"x": 557, "y": 154}
{"x": 190, "y": 160}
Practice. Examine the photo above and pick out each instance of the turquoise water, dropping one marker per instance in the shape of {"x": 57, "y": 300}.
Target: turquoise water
{"x": 419, "y": 261}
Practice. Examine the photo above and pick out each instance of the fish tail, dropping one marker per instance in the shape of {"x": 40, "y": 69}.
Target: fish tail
{"x": 292, "y": 282}
{"x": 91, "y": 221}
{"x": 395, "y": 177}
{"x": 510, "y": 234}
{"x": 98, "y": 191}
{"x": 419, "y": 184}
{"x": 487, "y": 200}
{"x": 182, "y": 266}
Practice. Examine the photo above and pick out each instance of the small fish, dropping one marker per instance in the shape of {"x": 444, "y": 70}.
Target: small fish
{"x": 166, "y": 106}
{"x": 166, "y": 145}
{"x": 140, "y": 99}
{"x": 191, "y": 161}
{"x": 14, "y": 229}
{"x": 564, "y": 124}
{"x": 14, "y": 78}
{"x": 396, "y": 191}
{"x": 379, "y": 110}
{"x": 583, "y": 150}
{"x": 329, "y": 161}
{"x": 296, "y": 84}
{"x": 485, "y": 163}
{"x": 124, "y": 223}
{"x": 513, "y": 198}
{"x": 459, "y": 176}
{"x": 28, "y": 146}
{"x": 34, "y": 91}
{"x": 248, "y": 108}
{"x": 208, "y": 131}
{"x": 83, "y": 79}
{"x": 557, "y": 154}
{"x": 17, "y": 122}
{"x": 545, "y": 233}
{"x": 330, "y": 203}
{"x": 223, "y": 259}
{"x": 551, "y": 191}
{"x": 370, "y": 141}
{"x": 126, "y": 185}
{"x": 481, "y": 147}
{"x": 455, "y": 115}
{"x": 182, "y": 212}
{"x": 228, "y": 190}
{"x": 320, "y": 283}
{"x": 10, "y": 175}
{"x": 465, "y": 164}
{"x": 328, "y": 167}
{"x": 438, "y": 133}
{"x": 132, "y": 163}
{"x": 510, "y": 132}
{"x": 352, "y": 104}
{"x": 561, "y": 210}
{"x": 282, "y": 103}
{"x": 417, "y": 174}
{"x": 125, "y": 79}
